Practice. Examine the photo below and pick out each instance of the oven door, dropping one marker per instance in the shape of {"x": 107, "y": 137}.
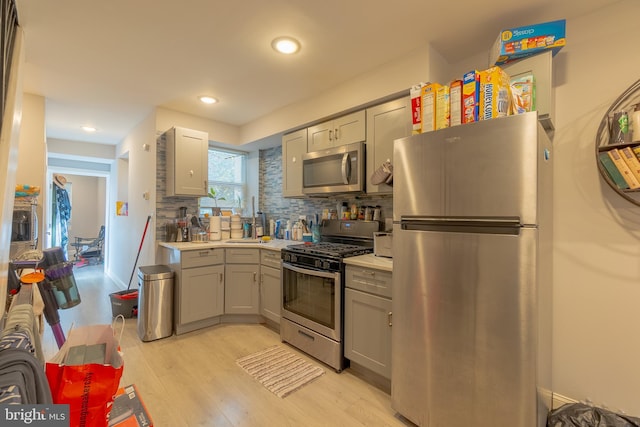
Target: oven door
{"x": 313, "y": 299}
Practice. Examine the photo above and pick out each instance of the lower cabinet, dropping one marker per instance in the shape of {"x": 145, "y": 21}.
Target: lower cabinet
{"x": 270, "y": 293}
{"x": 270, "y": 285}
{"x": 242, "y": 293}
{"x": 198, "y": 286}
{"x": 202, "y": 294}
{"x": 367, "y": 318}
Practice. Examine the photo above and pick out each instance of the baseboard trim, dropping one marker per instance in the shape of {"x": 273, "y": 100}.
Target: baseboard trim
{"x": 558, "y": 400}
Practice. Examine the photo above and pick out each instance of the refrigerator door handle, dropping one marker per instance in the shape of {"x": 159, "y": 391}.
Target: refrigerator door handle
{"x": 494, "y": 225}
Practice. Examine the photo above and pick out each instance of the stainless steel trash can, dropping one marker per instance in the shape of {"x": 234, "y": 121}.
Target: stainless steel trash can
{"x": 155, "y": 302}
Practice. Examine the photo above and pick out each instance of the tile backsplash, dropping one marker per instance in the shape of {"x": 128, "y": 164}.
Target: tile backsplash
{"x": 270, "y": 194}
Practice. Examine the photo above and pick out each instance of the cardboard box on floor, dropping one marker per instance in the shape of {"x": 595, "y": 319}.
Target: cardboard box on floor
{"x": 128, "y": 409}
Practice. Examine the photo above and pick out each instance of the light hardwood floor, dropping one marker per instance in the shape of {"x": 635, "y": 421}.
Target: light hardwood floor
{"x": 193, "y": 380}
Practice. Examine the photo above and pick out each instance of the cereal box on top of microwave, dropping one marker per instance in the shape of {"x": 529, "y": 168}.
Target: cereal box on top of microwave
{"x": 416, "y": 107}
{"x": 495, "y": 93}
{"x": 428, "y": 102}
{"x": 442, "y": 107}
{"x": 470, "y": 96}
{"x": 516, "y": 43}
{"x": 455, "y": 102}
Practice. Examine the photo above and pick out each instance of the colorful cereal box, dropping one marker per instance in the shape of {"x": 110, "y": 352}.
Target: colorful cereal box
{"x": 455, "y": 102}
{"x": 470, "y": 96}
{"x": 516, "y": 43}
{"x": 495, "y": 93}
{"x": 416, "y": 107}
{"x": 442, "y": 107}
{"x": 428, "y": 102}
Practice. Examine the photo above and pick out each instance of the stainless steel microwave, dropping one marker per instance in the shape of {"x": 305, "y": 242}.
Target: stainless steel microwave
{"x": 334, "y": 170}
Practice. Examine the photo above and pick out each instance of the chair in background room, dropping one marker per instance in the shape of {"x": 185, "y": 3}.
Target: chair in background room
{"x": 89, "y": 248}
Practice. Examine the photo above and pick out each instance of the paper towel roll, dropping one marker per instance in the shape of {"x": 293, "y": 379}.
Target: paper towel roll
{"x": 214, "y": 223}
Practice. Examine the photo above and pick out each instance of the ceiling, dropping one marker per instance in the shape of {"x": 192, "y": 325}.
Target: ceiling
{"x": 109, "y": 63}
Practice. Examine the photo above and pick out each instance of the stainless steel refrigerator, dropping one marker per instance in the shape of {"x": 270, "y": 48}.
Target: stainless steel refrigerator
{"x": 471, "y": 336}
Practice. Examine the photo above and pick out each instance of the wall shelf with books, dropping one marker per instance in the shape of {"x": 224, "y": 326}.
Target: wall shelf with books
{"x": 618, "y": 145}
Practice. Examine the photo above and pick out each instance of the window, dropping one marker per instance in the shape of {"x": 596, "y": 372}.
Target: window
{"x": 227, "y": 176}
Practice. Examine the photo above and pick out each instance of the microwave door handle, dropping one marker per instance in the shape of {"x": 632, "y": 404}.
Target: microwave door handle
{"x": 346, "y": 168}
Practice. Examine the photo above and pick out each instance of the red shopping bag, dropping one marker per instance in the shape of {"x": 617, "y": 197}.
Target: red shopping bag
{"x": 85, "y": 374}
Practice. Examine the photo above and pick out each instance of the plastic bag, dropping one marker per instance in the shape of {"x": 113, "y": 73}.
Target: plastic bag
{"x": 88, "y": 388}
{"x": 581, "y": 415}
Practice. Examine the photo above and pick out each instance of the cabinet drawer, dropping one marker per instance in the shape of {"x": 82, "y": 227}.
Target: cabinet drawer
{"x": 270, "y": 258}
{"x": 243, "y": 256}
{"x": 202, "y": 258}
{"x": 376, "y": 282}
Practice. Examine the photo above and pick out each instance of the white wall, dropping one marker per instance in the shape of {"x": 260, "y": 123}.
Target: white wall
{"x": 32, "y": 154}
{"x": 126, "y": 231}
{"x": 597, "y": 251}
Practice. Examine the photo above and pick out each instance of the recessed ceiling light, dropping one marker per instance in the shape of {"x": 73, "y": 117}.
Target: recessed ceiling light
{"x": 286, "y": 45}
{"x": 208, "y": 99}
{"x": 88, "y": 128}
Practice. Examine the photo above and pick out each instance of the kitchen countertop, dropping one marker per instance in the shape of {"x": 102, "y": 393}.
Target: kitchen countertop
{"x": 367, "y": 261}
{"x": 274, "y": 245}
{"x": 370, "y": 261}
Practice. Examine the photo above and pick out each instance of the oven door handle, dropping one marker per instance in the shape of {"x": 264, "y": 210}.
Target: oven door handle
{"x": 291, "y": 267}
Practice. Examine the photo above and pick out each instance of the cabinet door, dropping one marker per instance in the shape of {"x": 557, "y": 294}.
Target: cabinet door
{"x": 367, "y": 331}
{"x": 385, "y": 123}
{"x": 187, "y": 159}
{"x": 320, "y": 136}
{"x": 241, "y": 290}
{"x": 341, "y": 131}
{"x": 201, "y": 293}
{"x": 270, "y": 293}
{"x": 350, "y": 128}
{"x": 294, "y": 145}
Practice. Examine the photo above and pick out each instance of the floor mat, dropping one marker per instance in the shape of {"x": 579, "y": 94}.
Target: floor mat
{"x": 279, "y": 370}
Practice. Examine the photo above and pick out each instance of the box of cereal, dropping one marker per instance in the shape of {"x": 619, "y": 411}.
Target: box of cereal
{"x": 470, "y": 96}
{"x": 442, "y": 107}
{"x": 495, "y": 93}
{"x": 428, "y": 102}
{"x": 455, "y": 101}
{"x": 416, "y": 107}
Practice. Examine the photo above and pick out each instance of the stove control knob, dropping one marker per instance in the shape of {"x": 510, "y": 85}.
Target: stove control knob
{"x": 326, "y": 265}
{"x": 318, "y": 263}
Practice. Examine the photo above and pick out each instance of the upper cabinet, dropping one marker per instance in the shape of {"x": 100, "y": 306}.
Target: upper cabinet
{"x": 341, "y": 131}
{"x": 294, "y": 145}
{"x": 385, "y": 123}
{"x": 187, "y": 159}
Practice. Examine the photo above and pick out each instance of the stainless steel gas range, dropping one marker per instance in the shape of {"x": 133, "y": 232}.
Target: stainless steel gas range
{"x": 313, "y": 288}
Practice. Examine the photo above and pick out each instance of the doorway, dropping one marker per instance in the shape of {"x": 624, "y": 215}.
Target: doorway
{"x": 88, "y": 199}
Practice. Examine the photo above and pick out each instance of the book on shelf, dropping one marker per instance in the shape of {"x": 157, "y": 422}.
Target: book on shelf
{"x": 612, "y": 171}
{"x": 631, "y": 160}
{"x": 621, "y": 165}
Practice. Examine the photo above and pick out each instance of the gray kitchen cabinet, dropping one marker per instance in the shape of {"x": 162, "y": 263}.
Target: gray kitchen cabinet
{"x": 270, "y": 285}
{"x": 367, "y": 340}
{"x": 294, "y": 145}
{"x": 202, "y": 293}
{"x": 242, "y": 293}
{"x": 385, "y": 123}
{"x": 340, "y": 131}
{"x": 187, "y": 159}
{"x": 198, "y": 287}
